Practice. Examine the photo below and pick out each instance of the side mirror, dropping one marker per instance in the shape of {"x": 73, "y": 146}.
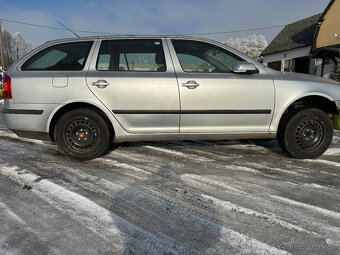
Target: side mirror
{"x": 245, "y": 68}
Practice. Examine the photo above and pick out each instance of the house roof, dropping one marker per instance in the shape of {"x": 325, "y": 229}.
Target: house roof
{"x": 295, "y": 35}
{"x": 321, "y": 19}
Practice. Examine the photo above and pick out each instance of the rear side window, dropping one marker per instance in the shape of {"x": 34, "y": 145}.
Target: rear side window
{"x": 200, "y": 57}
{"x": 60, "y": 57}
{"x": 131, "y": 55}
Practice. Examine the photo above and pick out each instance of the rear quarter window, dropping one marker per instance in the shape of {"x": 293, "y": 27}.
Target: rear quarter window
{"x": 60, "y": 57}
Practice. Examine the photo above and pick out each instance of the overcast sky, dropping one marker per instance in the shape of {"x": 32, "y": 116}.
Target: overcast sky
{"x": 155, "y": 16}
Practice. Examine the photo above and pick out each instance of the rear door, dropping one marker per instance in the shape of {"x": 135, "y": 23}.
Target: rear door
{"x": 135, "y": 80}
{"x": 213, "y": 98}
{"x": 53, "y": 74}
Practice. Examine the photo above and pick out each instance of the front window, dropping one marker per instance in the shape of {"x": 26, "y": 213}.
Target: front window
{"x": 60, "y": 57}
{"x": 131, "y": 55}
{"x": 200, "y": 57}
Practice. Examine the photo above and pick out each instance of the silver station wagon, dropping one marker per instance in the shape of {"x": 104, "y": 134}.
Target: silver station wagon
{"x": 85, "y": 93}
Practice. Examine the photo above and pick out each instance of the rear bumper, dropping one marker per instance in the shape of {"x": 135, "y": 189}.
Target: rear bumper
{"x": 27, "y": 117}
{"x": 33, "y": 135}
{"x": 17, "y": 120}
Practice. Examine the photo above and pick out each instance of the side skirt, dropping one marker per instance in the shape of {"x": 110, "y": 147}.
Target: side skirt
{"x": 192, "y": 136}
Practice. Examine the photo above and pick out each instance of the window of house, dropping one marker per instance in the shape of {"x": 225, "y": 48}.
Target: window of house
{"x": 131, "y": 55}
{"x": 60, "y": 57}
{"x": 202, "y": 57}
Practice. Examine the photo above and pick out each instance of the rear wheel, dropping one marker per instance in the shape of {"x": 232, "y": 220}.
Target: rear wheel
{"x": 82, "y": 134}
{"x": 307, "y": 134}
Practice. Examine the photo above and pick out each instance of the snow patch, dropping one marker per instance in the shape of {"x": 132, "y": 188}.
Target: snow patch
{"x": 315, "y": 208}
{"x": 242, "y": 168}
{"x": 332, "y": 151}
{"x": 197, "y": 179}
{"x": 179, "y": 154}
{"x": 9, "y": 212}
{"x": 122, "y": 165}
{"x": 325, "y": 162}
{"x": 226, "y": 205}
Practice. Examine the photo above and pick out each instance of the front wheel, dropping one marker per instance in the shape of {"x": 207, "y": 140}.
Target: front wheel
{"x": 82, "y": 134}
{"x": 308, "y": 134}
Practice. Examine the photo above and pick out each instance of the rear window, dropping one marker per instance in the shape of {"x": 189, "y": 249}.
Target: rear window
{"x": 60, "y": 57}
{"x": 131, "y": 55}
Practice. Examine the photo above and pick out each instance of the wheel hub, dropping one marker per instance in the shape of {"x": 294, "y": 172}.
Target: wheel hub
{"x": 309, "y": 134}
{"x": 81, "y": 134}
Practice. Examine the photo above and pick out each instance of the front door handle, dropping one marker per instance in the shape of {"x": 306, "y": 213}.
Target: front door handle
{"x": 190, "y": 84}
{"x": 101, "y": 84}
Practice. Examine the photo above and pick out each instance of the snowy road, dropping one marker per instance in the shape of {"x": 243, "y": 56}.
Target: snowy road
{"x": 226, "y": 197}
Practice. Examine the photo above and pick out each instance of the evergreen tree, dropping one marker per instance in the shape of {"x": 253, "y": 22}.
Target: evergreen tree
{"x": 336, "y": 70}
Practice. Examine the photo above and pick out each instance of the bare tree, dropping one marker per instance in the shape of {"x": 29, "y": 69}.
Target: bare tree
{"x": 14, "y": 46}
{"x": 251, "y": 45}
{"x": 21, "y": 46}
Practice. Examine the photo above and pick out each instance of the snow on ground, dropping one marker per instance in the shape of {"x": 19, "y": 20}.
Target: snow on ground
{"x": 197, "y": 197}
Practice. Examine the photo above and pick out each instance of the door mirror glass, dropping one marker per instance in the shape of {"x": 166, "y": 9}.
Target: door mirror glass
{"x": 245, "y": 68}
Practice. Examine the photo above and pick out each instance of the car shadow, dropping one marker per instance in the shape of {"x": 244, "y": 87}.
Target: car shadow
{"x": 167, "y": 216}
{"x": 270, "y": 145}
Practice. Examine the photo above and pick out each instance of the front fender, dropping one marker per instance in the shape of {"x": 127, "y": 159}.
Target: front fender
{"x": 280, "y": 110}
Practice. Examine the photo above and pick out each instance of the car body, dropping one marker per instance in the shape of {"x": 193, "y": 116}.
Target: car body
{"x": 157, "y": 88}
{"x": 1, "y": 92}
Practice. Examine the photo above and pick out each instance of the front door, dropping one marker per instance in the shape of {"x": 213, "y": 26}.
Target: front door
{"x": 213, "y": 98}
{"x": 136, "y": 81}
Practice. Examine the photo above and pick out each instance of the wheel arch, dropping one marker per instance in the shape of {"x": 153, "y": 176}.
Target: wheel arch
{"x": 58, "y": 112}
{"x": 315, "y": 100}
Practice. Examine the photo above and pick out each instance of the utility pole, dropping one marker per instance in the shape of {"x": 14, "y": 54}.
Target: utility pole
{"x": 1, "y": 49}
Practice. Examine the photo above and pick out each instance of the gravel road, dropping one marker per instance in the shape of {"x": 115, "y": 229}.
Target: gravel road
{"x": 197, "y": 197}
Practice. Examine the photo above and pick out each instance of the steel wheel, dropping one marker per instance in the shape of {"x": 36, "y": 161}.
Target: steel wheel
{"x": 309, "y": 134}
{"x": 82, "y": 134}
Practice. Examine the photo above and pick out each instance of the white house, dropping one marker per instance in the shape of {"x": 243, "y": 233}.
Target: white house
{"x": 290, "y": 49}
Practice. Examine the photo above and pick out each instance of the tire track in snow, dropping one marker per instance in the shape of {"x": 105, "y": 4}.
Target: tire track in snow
{"x": 13, "y": 215}
{"x": 178, "y": 154}
{"x": 315, "y": 208}
{"x": 104, "y": 222}
{"x": 324, "y": 162}
{"x": 98, "y": 219}
{"x": 271, "y": 218}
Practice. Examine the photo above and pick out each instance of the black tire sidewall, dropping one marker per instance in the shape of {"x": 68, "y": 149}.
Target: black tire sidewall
{"x": 282, "y": 128}
{"x": 102, "y": 142}
{"x": 289, "y": 133}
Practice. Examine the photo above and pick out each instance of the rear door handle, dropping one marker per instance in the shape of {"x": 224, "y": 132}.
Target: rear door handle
{"x": 190, "y": 84}
{"x": 101, "y": 84}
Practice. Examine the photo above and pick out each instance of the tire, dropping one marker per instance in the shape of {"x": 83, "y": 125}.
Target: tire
{"x": 82, "y": 134}
{"x": 282, "y": 128}
{"x": 308, "y": 134}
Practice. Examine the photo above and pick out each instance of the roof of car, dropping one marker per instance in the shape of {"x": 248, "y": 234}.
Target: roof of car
{"x": 294, "y": 35}
{"x": 124, "y": 36}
